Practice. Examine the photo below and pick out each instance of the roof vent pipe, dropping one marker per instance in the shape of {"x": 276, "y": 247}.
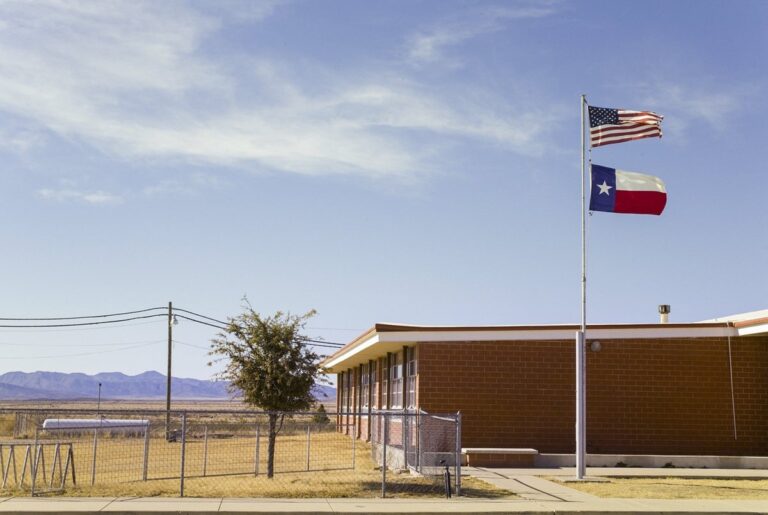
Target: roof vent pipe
{"x": 664, "y": 310}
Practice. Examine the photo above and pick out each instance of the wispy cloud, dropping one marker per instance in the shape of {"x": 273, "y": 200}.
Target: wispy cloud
{"x": 135, "y": 80}
{"x": 191, "y": 185}
{"x": 713, "y": 105}
{"x": 20, "y": 140}
{"x": 241, "y": 11}
{"x": 429, "y": 45}
{"x": 71, "y": 195}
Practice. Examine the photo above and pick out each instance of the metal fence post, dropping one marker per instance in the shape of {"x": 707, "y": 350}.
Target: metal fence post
{"x": 308, "y": 440}
{"x": 2, "y": 463}
{"x": 56, "y": 461}
{"x": 146, "y": 454}
{"x": 384, "y": 458}
{"x": 93, "y": 462}
{"x": 458, "y": 454}
{"x": 256, "y": 453}
{"x": 404, "y": 436}
{"x": 33, "y": 465}
{"x": 33, "y": 470}
{"x": 27, "y": 458}
{"x": 205, "y": 451}
{"x": 418, "y": 440}
{"x": 183, "y": 451}
{"x": 354, "y": 449}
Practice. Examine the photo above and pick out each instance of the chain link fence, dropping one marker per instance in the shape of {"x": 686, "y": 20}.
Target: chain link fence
{"x": 418, "y": 444}
{"x": 227, "y": 453}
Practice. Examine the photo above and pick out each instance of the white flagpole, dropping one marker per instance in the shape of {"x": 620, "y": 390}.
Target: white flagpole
{"x": 581, "y": 383}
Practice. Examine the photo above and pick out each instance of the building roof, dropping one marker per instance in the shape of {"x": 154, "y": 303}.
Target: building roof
{"x": 386, "y": 337}
{"x": 754, "y": 322}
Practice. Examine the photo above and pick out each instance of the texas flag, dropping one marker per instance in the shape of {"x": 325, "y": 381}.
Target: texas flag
{"x": 618, "y": 191}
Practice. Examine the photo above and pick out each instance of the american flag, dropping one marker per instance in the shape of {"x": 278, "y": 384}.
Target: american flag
{"x": 609, "y": 126}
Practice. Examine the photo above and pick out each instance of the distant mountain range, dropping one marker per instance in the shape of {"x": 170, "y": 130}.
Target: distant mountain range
{"x": 115, "y": 385}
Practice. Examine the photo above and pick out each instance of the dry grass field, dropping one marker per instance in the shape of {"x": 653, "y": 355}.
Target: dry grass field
{"x": 364, "y": 484}
{"x": 229, "y": 470}
{"x": 677, "y": 488}
{"x": 224, "y": 464}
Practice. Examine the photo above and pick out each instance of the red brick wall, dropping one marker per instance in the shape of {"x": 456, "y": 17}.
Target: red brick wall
{"x": 643, "y": 396}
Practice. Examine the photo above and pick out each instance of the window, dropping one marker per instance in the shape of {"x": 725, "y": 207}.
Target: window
{"x": 396, "y": 381}
{"x": 411, "y": 371}
{"x": 365, "y": 385}
{"x": 384, "y": 383}
{"x": 374, "y": 378}
{"x": 345, "y": 392}
{"x": 349, "y": 376}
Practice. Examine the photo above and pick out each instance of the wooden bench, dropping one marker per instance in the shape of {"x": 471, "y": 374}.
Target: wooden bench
{"x": 499, "y": 457}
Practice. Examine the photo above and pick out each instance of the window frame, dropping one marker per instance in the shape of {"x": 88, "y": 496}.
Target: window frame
{"x": 385, "y": 382}
{"x": 365, "y": 386}
{"x": 411, "y": 372}
{"x": 396, "y": 381}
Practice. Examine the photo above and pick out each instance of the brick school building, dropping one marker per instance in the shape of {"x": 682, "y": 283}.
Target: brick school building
{"x": 652, "y": 389}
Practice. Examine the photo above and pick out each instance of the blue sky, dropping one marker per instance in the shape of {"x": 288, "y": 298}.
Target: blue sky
{"x": 413, "y": 162}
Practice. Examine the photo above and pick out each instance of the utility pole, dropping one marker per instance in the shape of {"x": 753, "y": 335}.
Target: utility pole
{"x": 168, "y": 378}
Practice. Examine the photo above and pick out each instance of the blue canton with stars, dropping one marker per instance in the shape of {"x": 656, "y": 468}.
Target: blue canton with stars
{"x": 603, "y": 196}
{"x": 603, "y": 116}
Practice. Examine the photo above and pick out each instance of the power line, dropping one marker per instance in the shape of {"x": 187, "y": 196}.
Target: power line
{"x": 323, "y": 342}
{"x": 83, "y": 317}
{"x": 334, "y": 344}
{"x": 108, "y": 315}
{"x": 227, "y": 323}
{"x": 209, "y": 348}
{"x": 201, "y": 316}
{"x": 43, "y": 329}
{"x": 324, "y": 346}
{"x": 315, "y": 342}
{"x": 199, "y": 322}
{"x": 78, "y": 324}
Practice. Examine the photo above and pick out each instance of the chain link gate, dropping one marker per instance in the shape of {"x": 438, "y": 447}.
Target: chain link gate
{"x": 417, "y": 443}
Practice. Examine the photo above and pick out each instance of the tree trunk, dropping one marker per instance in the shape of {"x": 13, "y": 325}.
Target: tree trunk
{"x": 271, "y": 446}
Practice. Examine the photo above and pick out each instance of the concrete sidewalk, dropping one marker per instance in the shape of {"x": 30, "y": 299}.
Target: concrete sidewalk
{"x": 530, "y": 485}
{"x": 156, "y": 505}
{"x": 536, "y": 496}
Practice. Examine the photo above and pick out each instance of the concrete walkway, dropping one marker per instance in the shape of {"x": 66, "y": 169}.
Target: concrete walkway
{"x": 531, "y": 485}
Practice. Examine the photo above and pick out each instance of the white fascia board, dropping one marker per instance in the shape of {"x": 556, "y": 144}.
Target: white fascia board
{"x": 753, "y": 329}
{"x": 740, "y": 317}
{"x": 557, "y": 334}
{"x": 365, "y": 344}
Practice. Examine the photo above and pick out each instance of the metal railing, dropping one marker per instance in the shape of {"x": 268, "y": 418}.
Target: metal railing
{"x": 33, "y": 471}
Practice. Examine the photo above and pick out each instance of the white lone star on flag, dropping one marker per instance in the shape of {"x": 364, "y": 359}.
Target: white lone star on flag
{"x": 604, "y": 188}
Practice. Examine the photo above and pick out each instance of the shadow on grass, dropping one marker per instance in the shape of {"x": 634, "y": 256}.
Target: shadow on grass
{"x": 432, "y": 489}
